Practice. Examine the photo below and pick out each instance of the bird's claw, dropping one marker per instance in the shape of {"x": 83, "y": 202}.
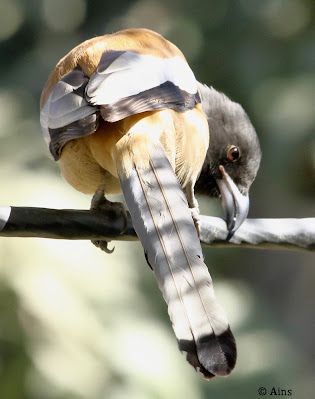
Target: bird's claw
{"x": 103, "y": 245}
{"x": 101, "y": 203}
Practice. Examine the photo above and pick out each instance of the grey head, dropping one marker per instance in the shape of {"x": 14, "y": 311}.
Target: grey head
{"x": 233, "y": 157}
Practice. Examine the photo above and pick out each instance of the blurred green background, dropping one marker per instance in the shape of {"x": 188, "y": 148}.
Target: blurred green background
{"x": 79, "y": 324}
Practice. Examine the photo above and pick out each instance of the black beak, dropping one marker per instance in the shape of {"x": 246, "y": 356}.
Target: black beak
{"x": 235, "y": 204}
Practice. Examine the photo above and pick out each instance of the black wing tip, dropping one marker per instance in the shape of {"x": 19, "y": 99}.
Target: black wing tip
{"x": 210, "y": 361}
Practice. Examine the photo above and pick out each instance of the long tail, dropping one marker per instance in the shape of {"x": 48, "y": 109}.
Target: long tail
{"x": 163, "y": 222}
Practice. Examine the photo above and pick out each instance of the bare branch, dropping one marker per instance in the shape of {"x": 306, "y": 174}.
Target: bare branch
{"x": 293, "y": 234}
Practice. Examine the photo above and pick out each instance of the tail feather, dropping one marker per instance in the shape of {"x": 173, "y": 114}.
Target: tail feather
{"x": 163, "y": 222}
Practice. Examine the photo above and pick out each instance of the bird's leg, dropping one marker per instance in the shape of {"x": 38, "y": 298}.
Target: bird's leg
{"x": 193, "y": 204}
{"x": 101, "y": 203}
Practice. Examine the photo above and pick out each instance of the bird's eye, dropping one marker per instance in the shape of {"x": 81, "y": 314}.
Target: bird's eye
{"x": 233, "y": 153}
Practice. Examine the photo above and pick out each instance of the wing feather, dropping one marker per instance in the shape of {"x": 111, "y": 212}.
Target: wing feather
{"x": 135, "y": 83}
{"x": 125, "y": 83}
{"x": 131, "y": 73}
{"x": 66, "y": 114}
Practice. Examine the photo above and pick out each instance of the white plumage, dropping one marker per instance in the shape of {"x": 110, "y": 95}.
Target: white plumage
{"x": 132, "y": 73}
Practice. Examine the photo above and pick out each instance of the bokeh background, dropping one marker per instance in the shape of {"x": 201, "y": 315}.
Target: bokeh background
{"x": 79, "y": 324}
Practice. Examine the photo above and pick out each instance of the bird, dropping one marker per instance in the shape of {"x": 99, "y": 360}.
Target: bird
{"x": 123, "y": 112}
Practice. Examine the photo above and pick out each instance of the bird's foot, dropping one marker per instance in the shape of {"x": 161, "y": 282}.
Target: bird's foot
{"x": 101, "y": 203}
{"x": 103, "y": 245}
{"x": 195, "y": 215}
{"x": 193, "y": 205}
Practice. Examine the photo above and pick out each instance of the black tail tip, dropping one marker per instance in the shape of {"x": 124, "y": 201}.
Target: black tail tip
{"x": 218, "y": 353}
{"x": 213, "y": 356}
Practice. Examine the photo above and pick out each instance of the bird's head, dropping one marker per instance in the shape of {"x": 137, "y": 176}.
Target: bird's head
{"x": 233, "y": 157}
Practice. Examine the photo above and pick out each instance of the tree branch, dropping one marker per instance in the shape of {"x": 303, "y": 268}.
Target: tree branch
{"x": 293, "y": 234}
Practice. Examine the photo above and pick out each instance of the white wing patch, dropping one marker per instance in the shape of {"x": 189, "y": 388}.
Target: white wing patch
{"x": 66, "y": 103}
{"x": 125, "y": 83}
{"x": 132, "y": 73}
